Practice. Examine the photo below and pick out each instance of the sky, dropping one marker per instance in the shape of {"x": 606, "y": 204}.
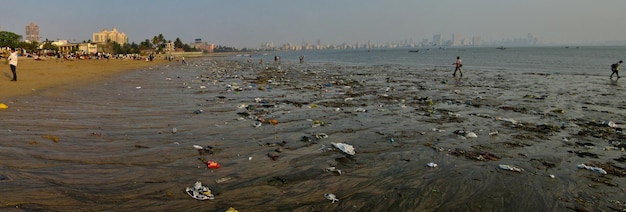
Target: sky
{"x": 250, "y": 23}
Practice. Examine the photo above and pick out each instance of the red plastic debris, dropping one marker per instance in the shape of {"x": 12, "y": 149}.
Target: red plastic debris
{"x": 212, "y": 164}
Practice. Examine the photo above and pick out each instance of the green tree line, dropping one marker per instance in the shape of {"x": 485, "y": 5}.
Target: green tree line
{"x": 157, "y": 44}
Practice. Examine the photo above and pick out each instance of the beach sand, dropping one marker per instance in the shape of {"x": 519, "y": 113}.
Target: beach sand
{"x": 125, "y": 142}
{"x": 49, "y": 73}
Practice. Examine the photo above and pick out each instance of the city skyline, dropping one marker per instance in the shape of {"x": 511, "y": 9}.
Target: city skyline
{"x": 249, "y": 24}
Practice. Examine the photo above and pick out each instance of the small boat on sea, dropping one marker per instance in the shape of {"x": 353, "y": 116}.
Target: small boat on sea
{"x": 501, "y": 48}
{"x": 414, "y": 50}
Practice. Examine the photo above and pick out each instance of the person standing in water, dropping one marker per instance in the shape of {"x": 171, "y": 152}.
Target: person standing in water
{"x": 458, "y": 66}
{"x": 615, "y": 69}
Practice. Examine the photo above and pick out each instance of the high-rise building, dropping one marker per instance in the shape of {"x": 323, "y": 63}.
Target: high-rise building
{"x": 32, "y": 32}
{"x": 437, "y": 40}
{"x": 113, "y": 35}
{"x": 476, "y": 41}
{"x": 457, "y": 39}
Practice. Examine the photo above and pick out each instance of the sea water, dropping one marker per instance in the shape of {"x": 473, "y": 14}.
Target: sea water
{"x": 584, "y": 60}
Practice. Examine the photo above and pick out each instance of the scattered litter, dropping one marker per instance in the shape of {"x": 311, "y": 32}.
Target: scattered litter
{"x": 198, "y": 147}
{"x": 507, "y": 120}
{"x": 257, "y": 124}
{"x": 494, "y": 133}
{"x": 199, "y": 191}
{"x": 360, "y": 110}
{"x": 471, "y": 135}
{"x": 431, "y": 165}
{"x": 174, "y": 130}
{"x": 552, "y": 176}
{"x": 437, "y": 130}
{"x": 51, "y": 137}
{"x": 333, "y": 169}
{"x": 592, "y": 168}
{"x": 3, "y": 106}
{"x": 331, "y": 197}
{"x": 558, "y": 111}
{"x": 511, "y": 168}
{"x": 321, "y": 135}
{"x": 231, "y": 209}
{"x": 223, "y": 179}
{"x": 610, "y": 124}
{"x": 346, "y": 148}
{"x": 212, "y": 165}
{"x": 198, "y": 111}
{"x": 138, "y": 87}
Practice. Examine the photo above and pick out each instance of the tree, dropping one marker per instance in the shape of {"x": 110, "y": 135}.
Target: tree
{"x": 178, "y": 43}
{"x": 9, "y": 39}
{"x": 29, "y": 47}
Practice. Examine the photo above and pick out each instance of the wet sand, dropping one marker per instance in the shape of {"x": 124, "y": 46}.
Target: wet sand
{"x": 111, "y": 145}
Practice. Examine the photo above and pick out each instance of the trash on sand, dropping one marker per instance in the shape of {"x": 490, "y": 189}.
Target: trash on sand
{"x": 257, "y": 124}
{"x": 198, "y": 147}
{"x": 558, "y": 111}
{"x": 331, "y": 197}
{"x": 511, "y": 168}
{"x": 610, "y": 124}
{"x": 212, "y": 164}
{"x": 51, "y": 137}
{"x": 231, "y": 209}
{"x": 552, "y": 176}
{"x": 333, "y": 169}
{"x": 198, "y": 111}
{"x": 592, "y": 168}
{"x": 321, "y": 135}
{"x": 346, "y": 148}
{"x": 223, "y": 179}
{"x": 360, "y": 110}
{"x": 174, "y": 130}
{"x": 494, "y": 133}
{"x": 3, "y": 106}
{"x": 431, "y": 165}
{"x": 471, "y": 135}
{"x": 199, "y": 192}
{"x": 507, "y": 120}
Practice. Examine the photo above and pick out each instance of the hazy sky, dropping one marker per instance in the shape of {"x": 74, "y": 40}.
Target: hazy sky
{"x": 249, "y": 23}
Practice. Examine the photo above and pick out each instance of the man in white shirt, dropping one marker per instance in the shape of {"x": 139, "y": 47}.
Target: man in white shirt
{"x": 13, "y": 63}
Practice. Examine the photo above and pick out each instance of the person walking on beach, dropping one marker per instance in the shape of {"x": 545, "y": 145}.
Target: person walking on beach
{"x": 615, "y": 69}
{"x": 13, "y": 63}
{"x": 301, "y": 58}
{"x": 458, "y": 66}
{"x": 183, "y": 58}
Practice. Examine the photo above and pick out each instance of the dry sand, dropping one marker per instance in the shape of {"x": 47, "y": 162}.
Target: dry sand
{"x": 49, "y": 73}
{"x": 110, "y": 145}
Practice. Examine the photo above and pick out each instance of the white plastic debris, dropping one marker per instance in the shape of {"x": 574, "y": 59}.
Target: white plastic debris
{"x": 199, "y": 192}
{"x": 198, "y": 147}
{"x": 256, "y": 124}
{"x": 360, "y": 110}
{"x": 431, "y": 165}
{"x": 333, "y": 169}
{"x": 610, "y": 124}
{"x": 592, "y": 168}
{"x": 346, "y": 148}
{"x": 331, "y": 197}
{"x": 510, "y": 168}
{"x": 471, "y": 135}
{"x": 507, "y": 120}
{"x": 552, "y": 176}
{"x": 174, "y": 130}
{"x": 321, "y": 135}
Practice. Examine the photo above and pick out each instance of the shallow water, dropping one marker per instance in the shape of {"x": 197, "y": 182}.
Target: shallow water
{"x": 111, "y": 146}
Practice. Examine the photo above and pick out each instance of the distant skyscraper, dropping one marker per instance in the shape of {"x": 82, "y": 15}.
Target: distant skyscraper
{"x": 437, "y": 40}
{"x": 457, "y": 39}
{"x": 32, "y": 32}
{"x": 113, "y": 35}
{"x": 476, "y": 41}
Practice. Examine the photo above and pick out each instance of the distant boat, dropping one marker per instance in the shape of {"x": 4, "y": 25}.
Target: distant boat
{"x": 501, "y": 48}
{"x": 414, "y": 50}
